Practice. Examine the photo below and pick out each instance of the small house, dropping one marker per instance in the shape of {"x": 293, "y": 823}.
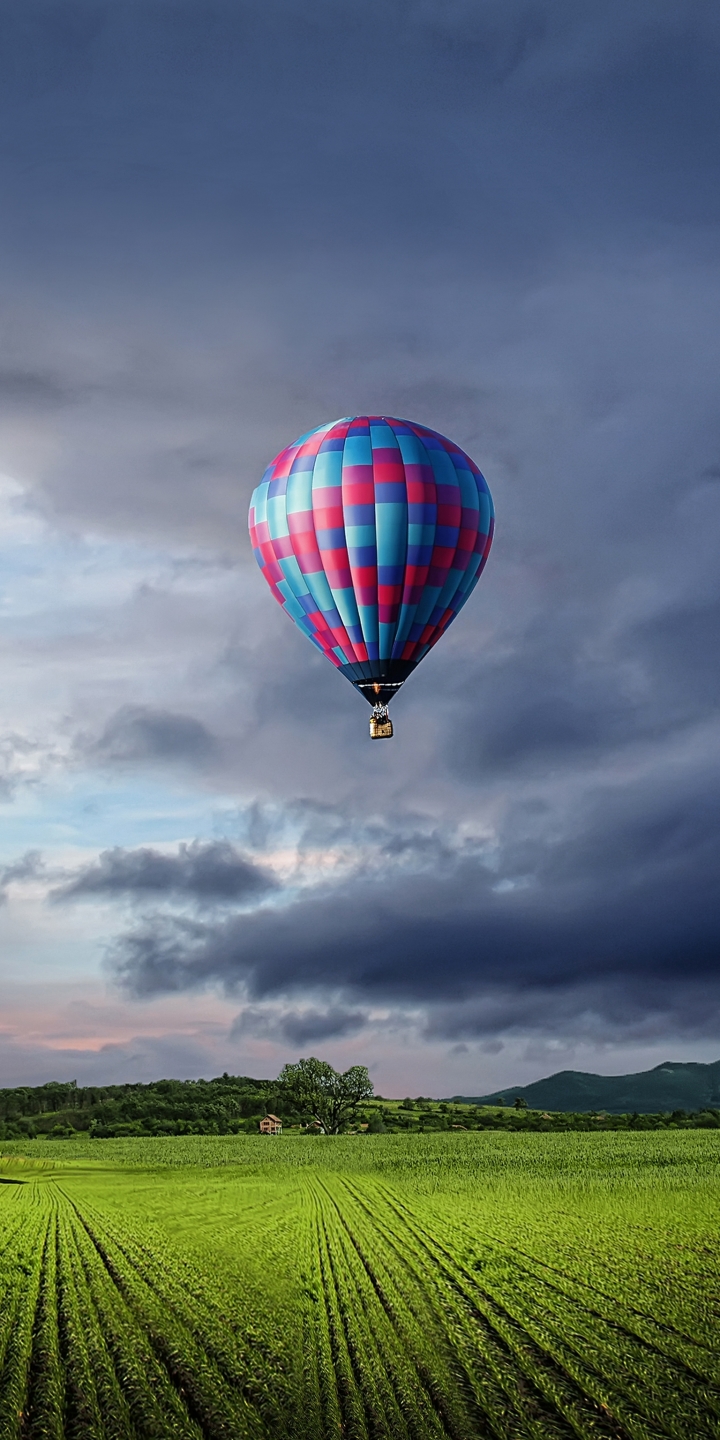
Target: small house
{"x": 271, "y": 1125}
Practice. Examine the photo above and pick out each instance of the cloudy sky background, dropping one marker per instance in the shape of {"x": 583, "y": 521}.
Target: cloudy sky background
{"x": 223, "y": 224}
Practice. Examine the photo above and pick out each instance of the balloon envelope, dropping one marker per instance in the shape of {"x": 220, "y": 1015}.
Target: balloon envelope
{"x": 371, "y": 533}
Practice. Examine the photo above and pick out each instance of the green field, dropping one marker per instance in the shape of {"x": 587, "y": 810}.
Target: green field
{"x": 436, "y": 1285}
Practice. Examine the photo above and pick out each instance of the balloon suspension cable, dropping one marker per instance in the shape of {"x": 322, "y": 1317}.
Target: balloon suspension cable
{"x": 381, "y": 726}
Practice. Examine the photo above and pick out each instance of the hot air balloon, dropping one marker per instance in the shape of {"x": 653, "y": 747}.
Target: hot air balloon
{"x": 371, "y": 533}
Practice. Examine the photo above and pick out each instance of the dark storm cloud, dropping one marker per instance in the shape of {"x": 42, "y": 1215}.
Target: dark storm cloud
{"x": 278, "y": 213}
{"x": 24, "y": 390}
{"x": 225, "y": 223}
{"x": 206, "y": 873}
{"x": 339, "y": 117}
{"x": 620, "y": 913}
{"x": 558, "y": 696}
{"x": 596, "y": 1013}
{"x": 678, "y": 648}
{"x": 299, "y": 1027}
{"x": 141, "y": 733}
{"x": 312, "y": 1025}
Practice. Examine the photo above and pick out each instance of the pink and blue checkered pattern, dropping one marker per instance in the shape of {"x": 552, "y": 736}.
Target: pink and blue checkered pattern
{"x": 372, "y": 533}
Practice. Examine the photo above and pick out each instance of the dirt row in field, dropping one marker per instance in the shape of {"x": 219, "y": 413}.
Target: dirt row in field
{"x": 414, "y": 1326}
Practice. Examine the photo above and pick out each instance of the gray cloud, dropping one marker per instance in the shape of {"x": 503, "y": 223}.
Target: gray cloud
{"x": 564, "y": 692}
{"x": 314, "y": 1025}
{"x": 625, "y": 896}
{"x": 188, "y": 1055}
{"x": 589, "y": 1012}
{"x": 401, "y": 840}
{"x": 30, "y": 390}
{"x": 298, "y": 1027}
{"x": 226, "y": 228}
{"x": 211, "y": 873}
{"x": 505, "y": 146}
{"x": 29, "y": 867}
{"x": 140, "y": 733}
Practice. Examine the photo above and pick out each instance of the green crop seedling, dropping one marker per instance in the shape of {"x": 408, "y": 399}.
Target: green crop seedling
{"x": 408, "y": 1287}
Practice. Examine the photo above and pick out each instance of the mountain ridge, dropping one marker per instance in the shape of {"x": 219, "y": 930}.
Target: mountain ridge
{"x": 672, "y": 1085}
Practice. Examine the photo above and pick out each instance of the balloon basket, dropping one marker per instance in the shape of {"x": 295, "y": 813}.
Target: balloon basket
{"x": 381, "y": 726}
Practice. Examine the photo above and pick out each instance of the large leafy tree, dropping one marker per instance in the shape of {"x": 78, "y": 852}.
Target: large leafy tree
{"x": 312, "y": 1086}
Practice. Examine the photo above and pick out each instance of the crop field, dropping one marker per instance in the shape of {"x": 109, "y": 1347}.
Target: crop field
{"x": 414, "y": 1288}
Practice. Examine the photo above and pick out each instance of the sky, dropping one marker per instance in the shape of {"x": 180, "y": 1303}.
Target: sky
{"x": 223, "y": 224}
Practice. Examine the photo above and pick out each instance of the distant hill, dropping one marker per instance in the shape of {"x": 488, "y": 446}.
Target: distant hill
{"x": 671, "y": 1086}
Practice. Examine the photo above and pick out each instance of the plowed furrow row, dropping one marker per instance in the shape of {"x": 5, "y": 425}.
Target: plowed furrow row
{"x": 506, "y": 1400}
{"x": 657, "y": 1368}
{"x": 190, "y": 1375}
{"x": 354, "y": 1303}
{"x": 155, "y": 1407}
{"x": 15, "y": 1374}
{"x": 414, "y": 1349}
{"x": 701, "y": 1359}
{"x": 382, "y": 1337}
{"x": 555, "y": 1364}
{"x": 181, "y": 1322}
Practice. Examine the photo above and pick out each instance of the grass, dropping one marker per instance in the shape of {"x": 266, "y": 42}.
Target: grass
{"x": 414, "y": 1288}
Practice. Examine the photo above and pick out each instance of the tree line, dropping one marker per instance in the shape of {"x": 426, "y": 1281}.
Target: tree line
{"x": 309, "y": 1094}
